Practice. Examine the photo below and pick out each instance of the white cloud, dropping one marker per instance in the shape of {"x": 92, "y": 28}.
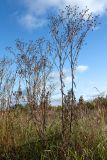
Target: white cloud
{"x": 31, "y": 22}
{"x": 35, "y": 8}
{"x": 41, "y": 6}
{"x": 82, "y": 68}
{"x": 95, "y": 6}
{"x": 68, "y": 80}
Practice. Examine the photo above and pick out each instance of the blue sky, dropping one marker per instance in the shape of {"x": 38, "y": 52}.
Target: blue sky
{"x": 26, "y": 20}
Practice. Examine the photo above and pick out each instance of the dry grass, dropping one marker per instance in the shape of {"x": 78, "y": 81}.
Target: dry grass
{"x": 19, "y": 138}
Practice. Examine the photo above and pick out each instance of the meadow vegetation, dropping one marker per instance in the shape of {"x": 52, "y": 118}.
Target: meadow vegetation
{"x": 20, "y": 139}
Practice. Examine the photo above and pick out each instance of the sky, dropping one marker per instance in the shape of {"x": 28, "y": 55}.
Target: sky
{"x": 26, "y": 20}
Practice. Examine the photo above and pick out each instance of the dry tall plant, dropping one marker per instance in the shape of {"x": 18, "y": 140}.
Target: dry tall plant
{"x": 34, "y": 67}
{"x": 7, "y": 80}
{"x": 69, "y": 29}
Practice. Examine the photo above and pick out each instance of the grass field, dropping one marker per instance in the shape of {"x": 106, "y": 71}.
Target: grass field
{"x": 22, "y": 139}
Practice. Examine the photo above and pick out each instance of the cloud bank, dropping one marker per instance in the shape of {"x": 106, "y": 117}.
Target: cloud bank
{"x": 31, "y": 22}
{"x": 82, "y": 68}
{"x": 36, "y": 9}
{"x": 41, "y": 6}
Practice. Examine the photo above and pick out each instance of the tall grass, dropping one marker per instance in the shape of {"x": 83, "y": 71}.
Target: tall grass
{"x": 19, "y": 139}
